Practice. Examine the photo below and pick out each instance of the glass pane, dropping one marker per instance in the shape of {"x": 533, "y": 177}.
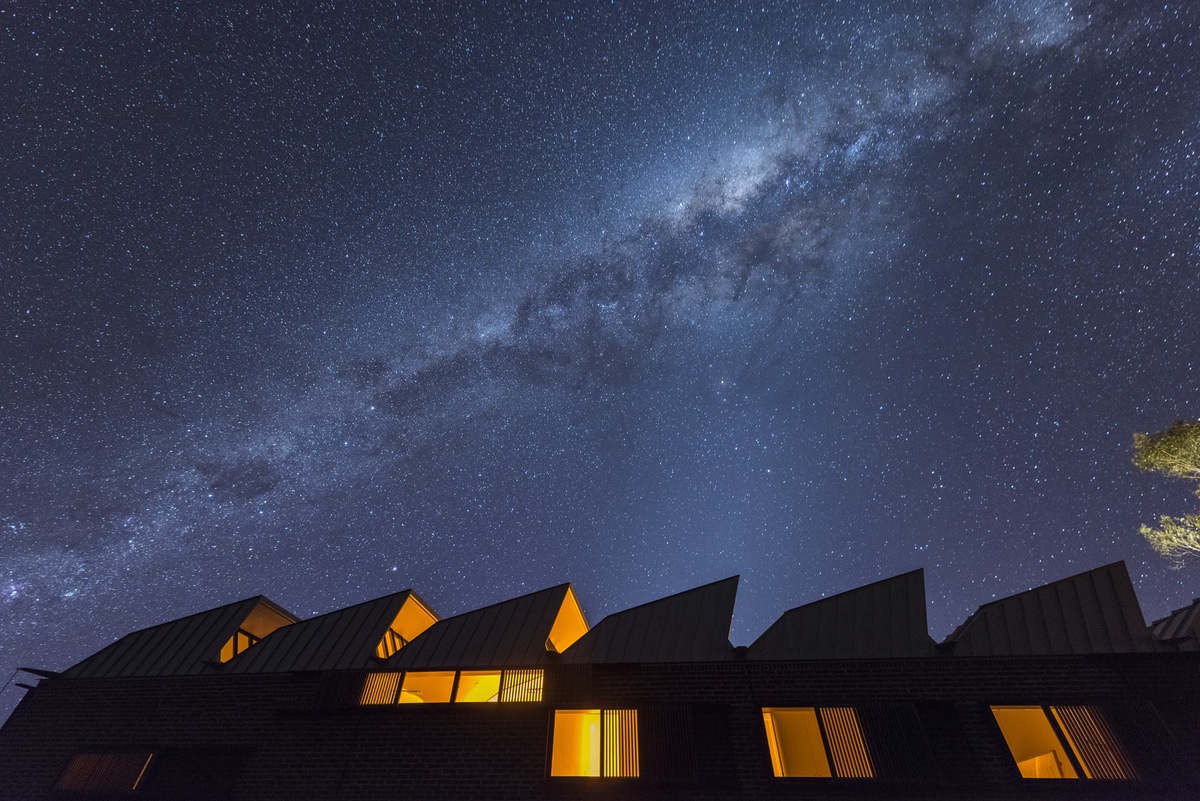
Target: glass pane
{"x": 412, "y": 619}
{"x": 794, "y": 739}
{"x": 1033, "y": 744}
{"x": 478, "y": 686}
{"x": 568, "y": 626}
{"x": 431, "y": 687}
{"x": 576, "y": 748}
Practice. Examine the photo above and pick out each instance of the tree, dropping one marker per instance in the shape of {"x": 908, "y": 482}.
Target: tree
{"x": 1178, "y": 537}
{"x": 1174, "y": 452}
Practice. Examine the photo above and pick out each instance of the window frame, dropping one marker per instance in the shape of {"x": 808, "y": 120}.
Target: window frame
{"x": 532, "y": 682}
{"x": 626, "y": 717}
{"x": 1081, "y": 766}
{"x": 832, "y": 760}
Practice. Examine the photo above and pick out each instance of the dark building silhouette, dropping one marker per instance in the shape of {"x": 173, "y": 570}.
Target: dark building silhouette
{"x": 1059, "y": 692}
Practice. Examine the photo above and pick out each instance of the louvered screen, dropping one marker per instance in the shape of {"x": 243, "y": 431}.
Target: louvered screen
{"x": 844, "y": 738}
{"x": 899, "y": 748}
{"x": 112, "y": 774}
{"x": 379, "y": 688}
{"x": 339, "y": 688}
{"x": 522, "y": 685}
{"x": 1089, "y": 735}
{"x": 713, "y": 735}
{"x": 667, "y": 750}
{"x": 621, "y": 742}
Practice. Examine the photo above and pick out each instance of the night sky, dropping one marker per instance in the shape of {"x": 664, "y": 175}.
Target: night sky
{"x": 327, "y": 302}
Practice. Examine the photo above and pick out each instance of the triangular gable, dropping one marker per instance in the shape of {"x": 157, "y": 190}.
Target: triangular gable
{"x": 885, "y": 619}
{"x": 345, "y": 639}
{"x": 692, "y": 626}
{"x": 513, "y": 633}
{"x": 189, "y": 645}
{"x": 1095, "y": 612}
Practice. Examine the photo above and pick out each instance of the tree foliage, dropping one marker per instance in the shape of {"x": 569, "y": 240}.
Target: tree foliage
{"x": 1174, "y": 452}
{"x": 1177, "y": 537}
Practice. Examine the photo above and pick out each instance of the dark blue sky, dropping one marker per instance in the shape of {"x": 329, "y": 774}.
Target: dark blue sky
{"x": 328, "y": 303}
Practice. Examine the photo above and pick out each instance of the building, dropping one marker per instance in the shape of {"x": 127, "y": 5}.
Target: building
{"x": 1059, "y": 692}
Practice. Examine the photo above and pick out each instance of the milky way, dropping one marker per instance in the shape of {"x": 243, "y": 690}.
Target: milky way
{"x": 326, "y": 305}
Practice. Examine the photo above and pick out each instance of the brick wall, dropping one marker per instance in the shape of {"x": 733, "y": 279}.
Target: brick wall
{"x": 291, "y": 744}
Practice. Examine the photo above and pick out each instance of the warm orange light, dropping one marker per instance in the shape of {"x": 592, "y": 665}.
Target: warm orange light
{"x": 794, "y": 740}
{"x": 412, "y": 619}
{"x": 569, "y": 624}
{"x": 379, "y": 688}
{"x": 427, "y": 687}
{"x": 576, "y": 748}
{"x": 1033, "y": 744}
{"x": 1095, "y": 746}
{"x": 1041, "y": 753}
{"x": 523, "y": 685}
{"x": 478, "y": 686}
{"x": 621, "y": 742}
{"x": 262, "y": 620}
{"x": 591, "y": 742}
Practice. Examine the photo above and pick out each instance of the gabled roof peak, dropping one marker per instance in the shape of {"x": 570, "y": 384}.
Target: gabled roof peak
{"x": 690, "y": 626}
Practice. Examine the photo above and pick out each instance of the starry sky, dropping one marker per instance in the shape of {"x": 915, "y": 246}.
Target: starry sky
{"x": 328, "y": 300}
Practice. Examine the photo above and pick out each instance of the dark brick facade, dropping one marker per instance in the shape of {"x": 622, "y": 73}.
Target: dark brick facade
{"x": 294, "y": 736}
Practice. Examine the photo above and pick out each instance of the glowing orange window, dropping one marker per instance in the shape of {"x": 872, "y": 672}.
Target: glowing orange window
{"x": 1062, "y": 742}
{"x": 595, "y": 742}
{"x": 816, "y": 742}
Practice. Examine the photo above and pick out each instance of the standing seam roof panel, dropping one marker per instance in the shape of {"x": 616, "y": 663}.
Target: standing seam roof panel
{"x": 186, "y": 646}
{"x": 695, "y": 626}
{"x": 344, "y": 639}
{"x": 512, "y": 633}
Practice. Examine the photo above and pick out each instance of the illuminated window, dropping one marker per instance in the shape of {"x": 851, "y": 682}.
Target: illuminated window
{"x": 240, "y": 641}
{"x": 263, "y": 619}
{"x": 1060, "y": 742}
{"x": 476, "y": 686}
{"x": 594, "y": 742}
{"x": 436, "y": 687}
{"x": 412, "y": 619}
{"x": 390, "y": 644}
{"x": 807, "y": 741}
{"x": 569, "y": 624}
{"x": 107, "y": 774}
{"x": 427, "y": 687}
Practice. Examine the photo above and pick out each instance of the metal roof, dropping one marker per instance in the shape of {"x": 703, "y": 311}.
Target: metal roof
{"x": 1181, "y": 627}
{"x": 883, "y": 619}
{"x": 344, "y": 639}
{"x": 186, "y": 646}
{"x": 692, "y": 626}
{"x": 512, "y": 633}
{"x": 1095, "y": 612}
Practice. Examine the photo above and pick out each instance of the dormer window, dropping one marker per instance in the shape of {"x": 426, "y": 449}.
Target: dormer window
{"x": 569, "y": 624}
{"x": 412, "y": 619}
{"x": 263, "y": 619}
{"x": 240, "y": 641}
